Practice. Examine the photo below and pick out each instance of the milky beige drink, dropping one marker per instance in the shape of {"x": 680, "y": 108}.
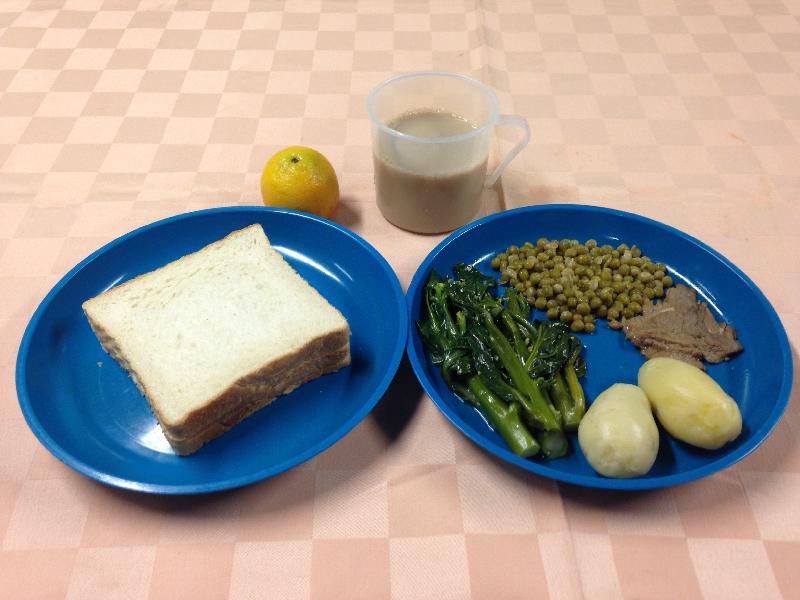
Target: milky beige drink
{"x": 430, "y": 187}
{"x": 431, "y": 133}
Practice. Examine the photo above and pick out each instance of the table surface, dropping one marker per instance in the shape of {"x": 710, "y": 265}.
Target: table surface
{"x": 115, "y": 114}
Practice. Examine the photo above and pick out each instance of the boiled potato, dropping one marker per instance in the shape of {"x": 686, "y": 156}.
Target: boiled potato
{"x": 618, "y": 434}
{"x": 689, "y": 404}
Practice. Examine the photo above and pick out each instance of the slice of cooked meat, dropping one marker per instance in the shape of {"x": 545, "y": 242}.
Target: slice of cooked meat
{"x": 681, "y": 327}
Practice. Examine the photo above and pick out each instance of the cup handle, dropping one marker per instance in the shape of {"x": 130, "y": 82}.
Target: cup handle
{"x": 510, "y": 121}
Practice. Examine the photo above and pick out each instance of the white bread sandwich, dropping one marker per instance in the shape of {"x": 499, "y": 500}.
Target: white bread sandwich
{"x": 218, "y": 334}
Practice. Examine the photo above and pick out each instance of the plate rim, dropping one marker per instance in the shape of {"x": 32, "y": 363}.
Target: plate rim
{"x": 597, "y": 481}
{"x": 218, "y": 485}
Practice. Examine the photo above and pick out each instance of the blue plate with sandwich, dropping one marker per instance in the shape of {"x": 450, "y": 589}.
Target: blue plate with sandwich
{"x": 211, "y": 350}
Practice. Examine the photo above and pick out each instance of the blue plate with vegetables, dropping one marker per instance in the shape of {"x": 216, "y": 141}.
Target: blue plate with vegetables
{"x": 597, "y": 347}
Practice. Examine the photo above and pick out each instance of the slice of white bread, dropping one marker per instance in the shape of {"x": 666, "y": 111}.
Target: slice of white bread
{"x": 215, "y": 335}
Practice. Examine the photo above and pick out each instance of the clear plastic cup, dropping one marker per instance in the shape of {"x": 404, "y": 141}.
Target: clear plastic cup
{"x": 431, "y": 133}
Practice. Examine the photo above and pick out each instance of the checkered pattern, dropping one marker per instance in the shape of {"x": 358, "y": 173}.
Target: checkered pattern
{"x": 116, "y": 113}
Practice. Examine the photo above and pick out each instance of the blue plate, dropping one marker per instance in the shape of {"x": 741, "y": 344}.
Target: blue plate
{"x": 759, "y": 379}
{"x": 88, "y": 413}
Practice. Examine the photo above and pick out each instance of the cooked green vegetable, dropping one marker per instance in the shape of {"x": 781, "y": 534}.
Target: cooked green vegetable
{"x": 523, "y": 376}
{"x": 574, "y": 283}
{"x": 504, "y": 418}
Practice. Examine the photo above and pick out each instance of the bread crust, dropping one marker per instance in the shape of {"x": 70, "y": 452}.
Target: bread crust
{"x": 252, "y": 392}
{"x": 246, "y": 399}
{"x": 321, "y": 355}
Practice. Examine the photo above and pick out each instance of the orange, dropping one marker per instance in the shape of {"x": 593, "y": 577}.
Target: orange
{"x": 300, "y": 178}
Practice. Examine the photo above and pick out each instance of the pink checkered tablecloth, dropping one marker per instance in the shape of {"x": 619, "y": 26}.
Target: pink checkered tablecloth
{"x": 115, "y": 113}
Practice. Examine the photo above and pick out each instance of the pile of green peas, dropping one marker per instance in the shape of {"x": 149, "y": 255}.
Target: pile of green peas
{"x": 576, "y": 283}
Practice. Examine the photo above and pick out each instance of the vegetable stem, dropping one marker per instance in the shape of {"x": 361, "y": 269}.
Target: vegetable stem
{"x": 504, "y": 418}
{"x": 553, "y": 443}
{"x": 574, "y": 386}
{"x": 542, "y": 414}
{"x": 517, "y": 342}
{"x": 571, "y": 412}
